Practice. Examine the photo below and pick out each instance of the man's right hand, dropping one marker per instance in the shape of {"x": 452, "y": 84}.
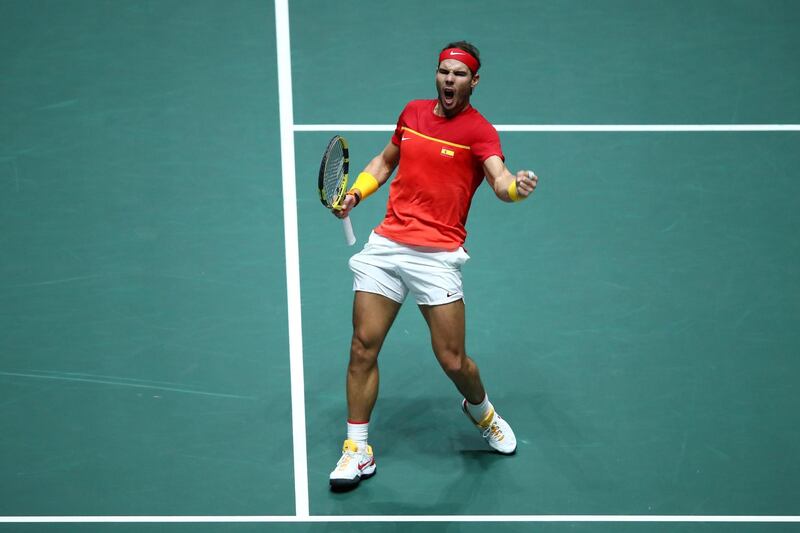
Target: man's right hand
{"x": 348, "y": 204}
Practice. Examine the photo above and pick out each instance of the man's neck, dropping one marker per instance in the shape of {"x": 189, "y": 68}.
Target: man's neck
{"x": 438, "y": 110}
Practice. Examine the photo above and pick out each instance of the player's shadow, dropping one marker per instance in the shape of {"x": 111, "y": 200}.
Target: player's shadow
{"x": 548, "y": 433}
{"x": 436, "y": 453}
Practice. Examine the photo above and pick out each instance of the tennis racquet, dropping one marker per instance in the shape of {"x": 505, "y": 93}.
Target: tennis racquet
{"x": 333, "y": 180}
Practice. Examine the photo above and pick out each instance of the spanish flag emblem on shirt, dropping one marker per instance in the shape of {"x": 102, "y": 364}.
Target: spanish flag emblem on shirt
{"x": 448, "y": 153}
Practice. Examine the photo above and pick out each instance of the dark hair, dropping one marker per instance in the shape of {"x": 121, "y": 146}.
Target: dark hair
{"x": 467, "y": 47}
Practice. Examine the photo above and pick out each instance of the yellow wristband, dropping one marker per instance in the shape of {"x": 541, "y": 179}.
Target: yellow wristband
{"x": 512, "y": 191}
{"x": 366, "y": 185}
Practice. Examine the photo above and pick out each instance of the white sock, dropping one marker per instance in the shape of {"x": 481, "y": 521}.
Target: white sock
{"x": 482, "y": 410}
{"x": 357, "y": 432}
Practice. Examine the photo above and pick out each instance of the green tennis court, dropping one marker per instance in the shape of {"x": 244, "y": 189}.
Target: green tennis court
{"x": 637, "y": 320}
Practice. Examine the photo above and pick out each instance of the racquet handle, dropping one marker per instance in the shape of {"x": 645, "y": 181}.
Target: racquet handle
{"x": 348, "y": 231}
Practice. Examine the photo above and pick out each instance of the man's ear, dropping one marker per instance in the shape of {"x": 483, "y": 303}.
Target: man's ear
{"x": 475, "y": 79}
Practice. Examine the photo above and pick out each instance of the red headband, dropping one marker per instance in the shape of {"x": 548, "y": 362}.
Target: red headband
{"x": 460, "y": 55}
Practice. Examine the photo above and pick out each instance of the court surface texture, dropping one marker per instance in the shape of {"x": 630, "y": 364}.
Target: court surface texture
{"x": 175, "y": 302}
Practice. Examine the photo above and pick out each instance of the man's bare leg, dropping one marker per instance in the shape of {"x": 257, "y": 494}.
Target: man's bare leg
{"x": 373, "y": 315}
{"x": 446, "y": 323}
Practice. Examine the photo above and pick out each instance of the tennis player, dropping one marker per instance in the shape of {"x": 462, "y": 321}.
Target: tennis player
{"x": 444, "y": 149}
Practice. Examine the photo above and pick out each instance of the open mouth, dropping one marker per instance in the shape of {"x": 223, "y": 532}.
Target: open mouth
{"x": 448, "y": 95}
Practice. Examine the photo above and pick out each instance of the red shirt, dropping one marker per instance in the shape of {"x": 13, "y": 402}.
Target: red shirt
{"x": 441, "y": 167}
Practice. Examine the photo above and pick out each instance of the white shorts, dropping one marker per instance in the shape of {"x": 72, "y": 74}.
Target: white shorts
{"x": 392, "y": 269}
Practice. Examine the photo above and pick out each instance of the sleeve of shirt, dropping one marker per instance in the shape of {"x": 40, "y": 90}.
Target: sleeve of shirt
{"x": 401, "y": 121}
{"x": 487, "y": 143}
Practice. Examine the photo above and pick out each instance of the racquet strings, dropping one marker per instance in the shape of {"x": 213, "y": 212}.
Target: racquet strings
{"x": 332, "y": 183}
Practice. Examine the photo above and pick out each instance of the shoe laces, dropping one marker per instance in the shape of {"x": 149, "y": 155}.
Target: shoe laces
{"x": 493, "y": 431}
{"x": 347, "y": 456}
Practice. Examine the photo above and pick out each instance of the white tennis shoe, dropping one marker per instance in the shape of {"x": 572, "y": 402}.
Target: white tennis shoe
{"x": 355, "y": 464}
{"x": 495, "y": 431}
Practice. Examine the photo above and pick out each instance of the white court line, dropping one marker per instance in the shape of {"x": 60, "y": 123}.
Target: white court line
{"x": 576, "y": 127}
{"x": 402, "y": 518}
{"x": 292, "y": 259}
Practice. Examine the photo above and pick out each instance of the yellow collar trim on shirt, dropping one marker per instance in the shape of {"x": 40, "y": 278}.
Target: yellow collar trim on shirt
{"x": 405, "y": 128}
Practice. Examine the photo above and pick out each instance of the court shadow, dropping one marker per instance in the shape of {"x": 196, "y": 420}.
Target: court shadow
{"x": 414, "y": 422}
{"x": 483, "y": 458}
